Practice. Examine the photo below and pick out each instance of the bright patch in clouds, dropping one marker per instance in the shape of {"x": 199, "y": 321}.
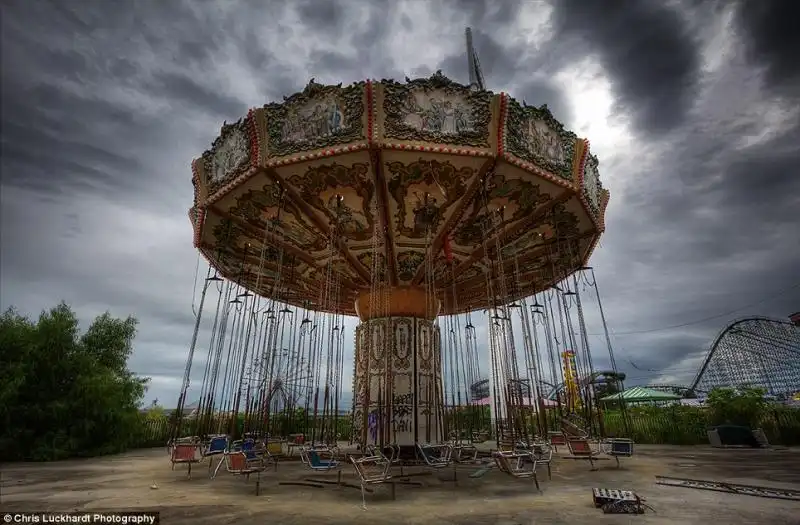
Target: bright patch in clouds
{"x": 591, "y": 98}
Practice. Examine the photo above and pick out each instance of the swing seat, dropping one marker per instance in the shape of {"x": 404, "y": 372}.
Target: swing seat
{"x": 188, "y": 453}
{"x": 275, "y": 448}
{"x": 217, "y": 445}
{"x": 556, "y": 439}
{"x": 436, "y": 456}
{"x": 253, "y": 452}
{"x": 317, "y": 463}
{"x": 580, "y": 448}
{"x": 239, "y": 463}
{"x": 464, "y": 453}
{"x": 388, "y": 454}
{"x": 372, "y": 470}
{"x": 295, "y": 441}
{"x": 515, "y": 464}
{"x": 569, "y": 428}
{"x": 543, "y": 455}
{"x": 187, "y": 440}
{"x": 242, "y": 445}
{"x": 617, "y": 448}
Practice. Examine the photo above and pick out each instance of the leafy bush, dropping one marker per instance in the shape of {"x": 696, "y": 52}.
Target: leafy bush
{"x": 63, "y": 394}
{"x": 737, "y": 406}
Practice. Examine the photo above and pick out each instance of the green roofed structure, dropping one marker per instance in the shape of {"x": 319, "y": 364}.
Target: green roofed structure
{"x": 640, "y": 394}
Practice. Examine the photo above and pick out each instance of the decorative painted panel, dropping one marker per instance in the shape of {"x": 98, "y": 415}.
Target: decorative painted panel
{"x": 532, "y": 134}
{"x": 592, "y": 187}
{"x": 320, "y": 116}
{"x": 343, "y": 193}
{"x": 431, "y": 187}
{"x": 506, "y": 201}
{"x": 229, "y": 155}
{"x": 365, "y": 258}
{"x": 258, "y": 207}
{"x": 408, "y": 261}
{"x": 437, "y": 110}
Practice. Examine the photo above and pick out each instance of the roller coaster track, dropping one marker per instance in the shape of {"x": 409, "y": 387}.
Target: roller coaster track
{"x": 754, "y": 347}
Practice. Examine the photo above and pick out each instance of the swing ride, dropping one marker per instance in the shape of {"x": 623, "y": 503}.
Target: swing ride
{"x": 421, "y": 207}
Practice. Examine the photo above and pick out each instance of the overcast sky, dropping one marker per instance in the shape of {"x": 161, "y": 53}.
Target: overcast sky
{"x": 693, "y": 108}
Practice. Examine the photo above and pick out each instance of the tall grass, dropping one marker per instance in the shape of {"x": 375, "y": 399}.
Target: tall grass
{"x": 670, "y": 425}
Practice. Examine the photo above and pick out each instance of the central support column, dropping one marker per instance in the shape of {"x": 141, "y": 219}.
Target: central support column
{"x": 398, "y": 370}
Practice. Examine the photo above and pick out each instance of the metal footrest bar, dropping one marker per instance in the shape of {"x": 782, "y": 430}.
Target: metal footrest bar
{"x": 731, "y": 488}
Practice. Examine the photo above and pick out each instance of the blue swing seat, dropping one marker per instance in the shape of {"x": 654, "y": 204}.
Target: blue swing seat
{"x": 217, "y": 445}
{"x": 317, "y": 463}
{"x": 618, "y": 448}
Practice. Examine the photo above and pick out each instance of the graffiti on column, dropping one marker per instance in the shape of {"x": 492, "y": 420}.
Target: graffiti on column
{"x": 402, "y": 405}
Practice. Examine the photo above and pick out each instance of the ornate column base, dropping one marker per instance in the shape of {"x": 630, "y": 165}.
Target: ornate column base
{"x": 398, "y": 381}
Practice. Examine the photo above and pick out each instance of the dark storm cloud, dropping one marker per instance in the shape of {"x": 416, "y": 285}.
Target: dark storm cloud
{"x": 488, "y": 14}
{"x": 715, "y": 215}
{"x": 647, "y": 49}
{"x": 41, "y": 138}
{"x": 770, "y": 30}
{"x": 322, "y": 16}
{"x": 192, "y": 93}
{"x": 105, "y": 104}
{"x": 505, "y": 65}
{"x": 495, "y": 60}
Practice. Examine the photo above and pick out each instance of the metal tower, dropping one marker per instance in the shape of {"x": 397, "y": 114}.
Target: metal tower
{"x": 475, "y": 73}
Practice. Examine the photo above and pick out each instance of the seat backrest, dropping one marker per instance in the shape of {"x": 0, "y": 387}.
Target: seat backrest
{"x": 315, "y": 460}
{"x": 236, "y": 461}
{"x": 423, "y": 453}
{"x": 579, "y": 447}
{"x": 360, "y": 465}
{"x": 507, "y": 445}
{"x": 502, "y": 462}
{"x": 248, "y": 447}
{"x": 558, "y": 439}
{"x": 543, "y": 452}
{"x": 622, "y": 447}
{"x": 184, "y": 452}
{"x": 390, "y": 452}
{"x": 217, "y": 444}
{"x": 428, "y": 455}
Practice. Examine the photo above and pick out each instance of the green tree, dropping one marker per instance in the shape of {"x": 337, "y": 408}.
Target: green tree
{"x": 606, "y": 388}
{"x": 738, "y": 406}
{"x": 155, "y": 412}
{"x": 63, "y": 394}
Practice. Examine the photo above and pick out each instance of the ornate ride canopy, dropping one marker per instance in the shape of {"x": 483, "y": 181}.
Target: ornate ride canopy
{"x": 459, "y": 173}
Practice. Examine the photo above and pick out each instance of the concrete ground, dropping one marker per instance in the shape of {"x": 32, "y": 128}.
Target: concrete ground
{"x": 142, "y": 480}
